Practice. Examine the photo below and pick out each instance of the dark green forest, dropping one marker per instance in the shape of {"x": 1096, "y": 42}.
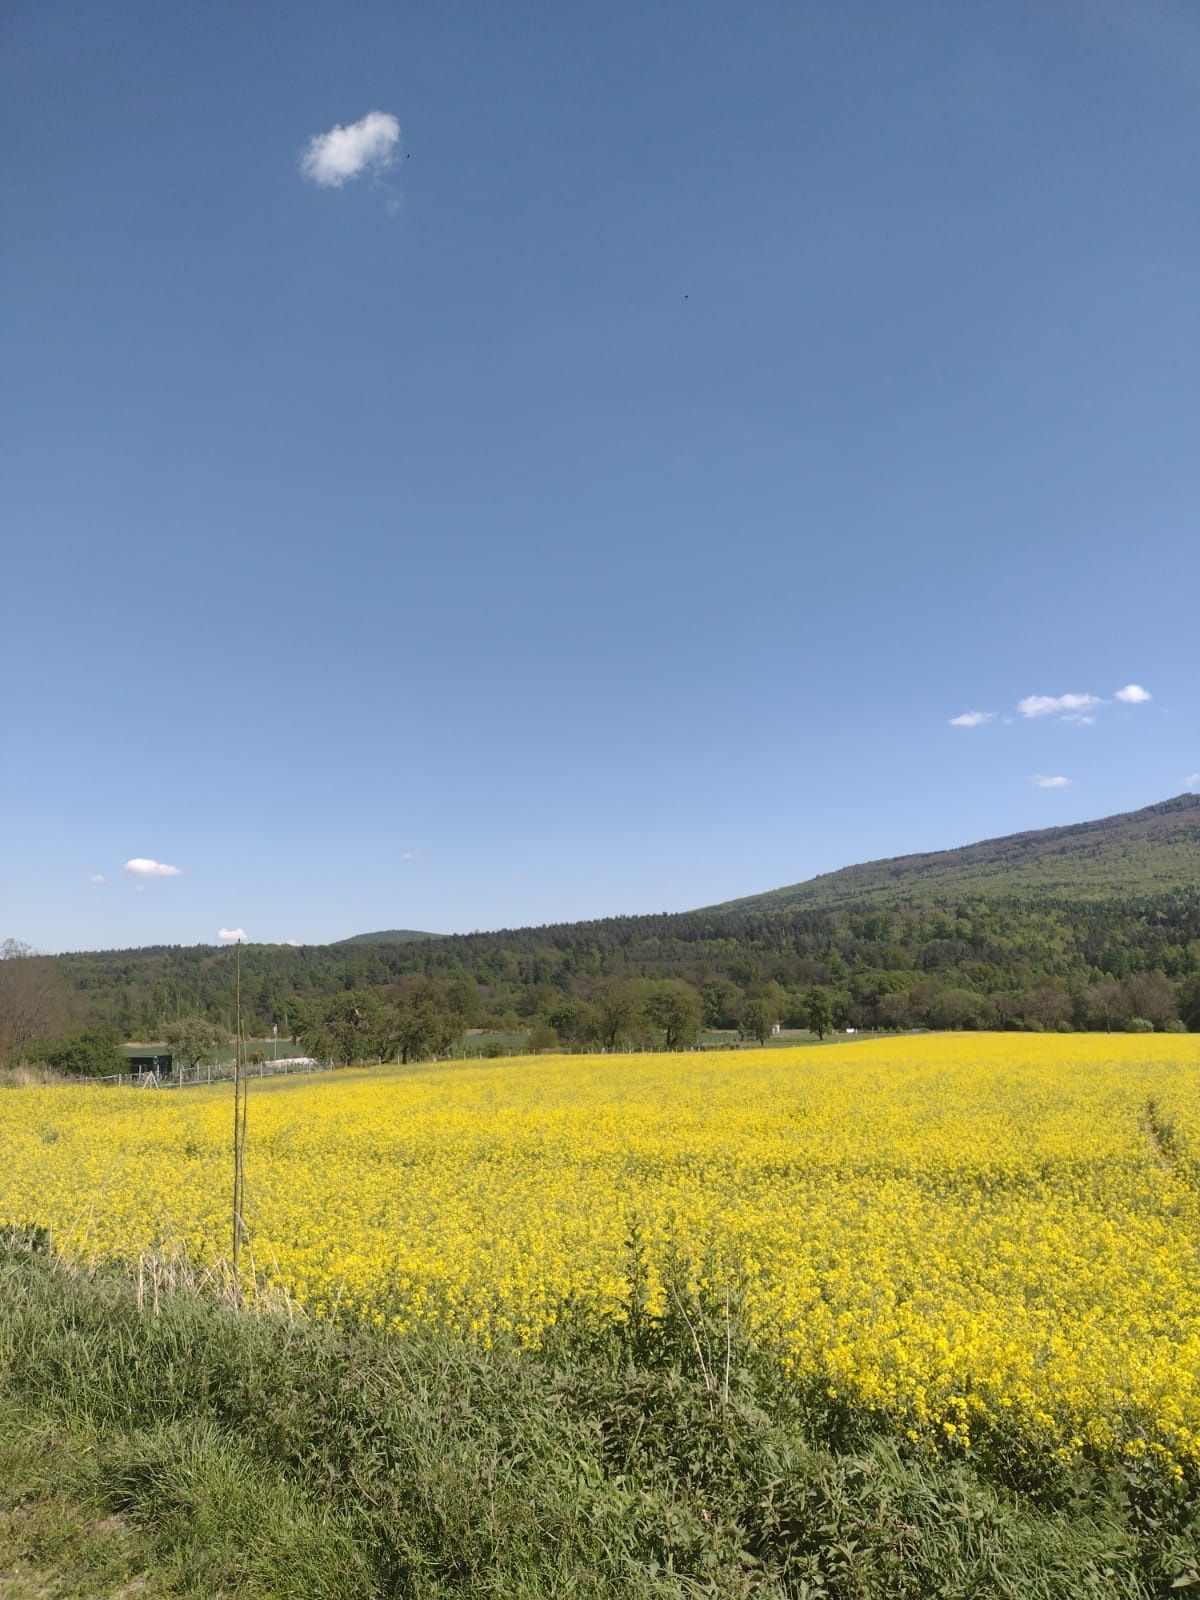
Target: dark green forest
{"x": 1089, "y": 927}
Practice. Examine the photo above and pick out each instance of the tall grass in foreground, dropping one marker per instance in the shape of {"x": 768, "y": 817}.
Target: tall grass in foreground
{"x": 266, "y": 1455}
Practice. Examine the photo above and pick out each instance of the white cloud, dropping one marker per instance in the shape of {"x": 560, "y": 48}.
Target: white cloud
{"x": 409, "y": 855}
{"x": 332, "y": 159}
{"x": 295, "y": 943}
{"x": 1072, "y": 706}
{"x": 1134, "y": 695}
{"x": 143, "y": 867}
{"x": 97, "y": 878}
{"x": 1193, "y": 781}
{"x": 971, "y": 719}
{"x": 1050, "y": 783}
{"x": 232, "y": 934}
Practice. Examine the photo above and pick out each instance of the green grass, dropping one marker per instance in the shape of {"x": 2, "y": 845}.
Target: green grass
{"x": 205, "y": 1452}
{"x": 57, "y": 1540}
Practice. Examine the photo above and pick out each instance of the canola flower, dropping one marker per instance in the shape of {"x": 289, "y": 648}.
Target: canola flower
{"x": 980, "y": 1237}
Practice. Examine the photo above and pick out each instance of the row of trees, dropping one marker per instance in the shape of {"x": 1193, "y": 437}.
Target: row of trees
{"x": 670, "y": 1014}
{"x": 993, "y": 947}
{"x": 404, "y": 1024}
{"x": 1043, "y": 1004}
{"x": 887, "y": 1002}
{"x": 1003, "y": 963}
{"x": 423, "y": 1019}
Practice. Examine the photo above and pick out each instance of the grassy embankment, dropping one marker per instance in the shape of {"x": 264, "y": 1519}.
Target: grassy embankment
{"x": 157, "y": 1441}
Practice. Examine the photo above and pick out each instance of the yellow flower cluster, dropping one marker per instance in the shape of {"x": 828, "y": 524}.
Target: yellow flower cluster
{"x": 984, "y": 1237}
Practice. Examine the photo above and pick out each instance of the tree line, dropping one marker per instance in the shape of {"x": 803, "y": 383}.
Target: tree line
{"x": 1026, "y": 962}
{"x": 421, "y": 1019}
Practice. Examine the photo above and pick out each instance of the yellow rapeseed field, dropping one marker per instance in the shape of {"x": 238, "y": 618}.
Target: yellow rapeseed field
{"x": 980, "y": 1236}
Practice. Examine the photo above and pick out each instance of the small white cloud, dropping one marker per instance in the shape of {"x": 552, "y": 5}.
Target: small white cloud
{"x": 1193, "y": 781}
{"x": 332, "y": 159}
{"x": 1072, "y": 706}
{"x": 971, "y": 719}
{"x": 143, "y": 867}
{"x": 409, "y": 855}
{"x": 295, "y": 943}
{"x": 232, "y": 935}
{"x": 1134, "y": 695}
{"x": 1050, "y": 783}
{"x": 97, "y": 878}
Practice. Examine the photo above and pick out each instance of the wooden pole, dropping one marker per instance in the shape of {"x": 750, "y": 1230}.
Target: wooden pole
{"x": 240, "y": 1088}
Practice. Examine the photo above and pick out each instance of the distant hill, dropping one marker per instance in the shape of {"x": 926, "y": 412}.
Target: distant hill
{"x": 1142, "y": 852}
{"x": 1073, "y": 925}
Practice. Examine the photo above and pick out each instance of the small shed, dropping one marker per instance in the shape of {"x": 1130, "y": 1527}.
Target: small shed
{"x": 159, "y": 1063}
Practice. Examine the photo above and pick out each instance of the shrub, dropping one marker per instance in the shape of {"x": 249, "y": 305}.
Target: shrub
{"x": 91, "y": 1053}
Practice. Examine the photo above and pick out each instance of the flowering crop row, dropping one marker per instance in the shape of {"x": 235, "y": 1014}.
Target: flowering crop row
{"x": 979, "y": 1236}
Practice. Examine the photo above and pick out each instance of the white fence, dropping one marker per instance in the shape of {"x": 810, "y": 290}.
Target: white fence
{"x": 218, "y": 1072}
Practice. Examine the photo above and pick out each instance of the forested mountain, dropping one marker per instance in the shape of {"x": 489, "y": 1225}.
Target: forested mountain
{"x": 1085, "y": 926}
{"x": 387, "y": 936}
{"x": 1145, "y": 852}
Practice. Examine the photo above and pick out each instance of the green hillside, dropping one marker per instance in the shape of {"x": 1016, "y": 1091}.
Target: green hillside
{"x": 1087, "y": 926}
{"x": 1143, "y": 852}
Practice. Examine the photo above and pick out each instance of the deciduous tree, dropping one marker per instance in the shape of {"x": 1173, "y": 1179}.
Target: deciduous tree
{"x": 818, "y": 1012}
{"x": 618, "y": 1013}
{"x": 195, "y": 1039}
{"x": 673, "y": 1007}
{"x": 757, "y": 1019}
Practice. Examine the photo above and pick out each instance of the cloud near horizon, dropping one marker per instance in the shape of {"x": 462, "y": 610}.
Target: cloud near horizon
{"x": 144, "y": 867}
{"x": 971, "y": 719}
{"x": 1044, "y": 782}
{"x": 230, "y": 935}
{"x": 369, "y": 145}
{"x": 1134, "y": 695}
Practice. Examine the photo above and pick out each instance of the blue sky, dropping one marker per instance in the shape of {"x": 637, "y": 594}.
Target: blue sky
{"x": 604, "y": 500}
